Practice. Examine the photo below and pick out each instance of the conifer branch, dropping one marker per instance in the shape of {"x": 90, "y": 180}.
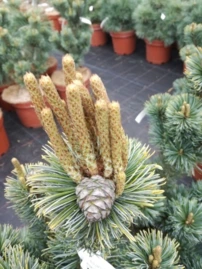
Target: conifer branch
{"x": 58, "y": 106}
{"x": 69, "y": 69}
{"x": 61, "y": 150}
{"x": 98, "y": 88}
{"x": 35, "y": 93}
{"x": 80, "y": 128}
{"x": 102, "y": 122}
{"x": 20, "y": 171}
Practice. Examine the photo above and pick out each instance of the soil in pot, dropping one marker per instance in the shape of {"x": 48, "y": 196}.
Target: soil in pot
{"x": 20, "y": 100}
{"x": 99, "y": 37}
{"x": 4, "y": 142}
{"x": 52, "y": 64}
{"x": 58, "y": 79}
{"x": 3, "y": 104}
{"x": 197, "y": 174}
{"x": 157, "y": 52}
{"x": 124, "y": 43}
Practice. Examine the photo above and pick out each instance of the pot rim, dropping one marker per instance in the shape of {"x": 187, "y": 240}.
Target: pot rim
{"x": 122, "y": 32}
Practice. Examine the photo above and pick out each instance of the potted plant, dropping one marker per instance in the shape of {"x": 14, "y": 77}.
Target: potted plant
{"x": 192, "y": 41}
{"x": 72, "y": 202}
{"x": 19, "y": 17}
{"x": 190, "y": 13}
{"x": 4, "y": 145}
{"x": 120, "y": 26}
{"x": 154, "y": 22}
{"x": 99, "y": 37}
{"x": 49, "y": 11}
{"x": 4, "y": 50}
{"x": 74, "y": 38}
{"x": 29, "y": 38}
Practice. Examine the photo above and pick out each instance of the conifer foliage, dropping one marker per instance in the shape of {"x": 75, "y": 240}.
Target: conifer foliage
{"x": 94, "y": 180}
{"x": 4, "y": 48}
{"x": 25, "y": 41}
{"x": 75, "y": 35}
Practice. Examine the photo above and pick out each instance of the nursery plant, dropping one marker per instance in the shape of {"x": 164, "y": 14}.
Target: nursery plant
{"x": 192, "y": 41}
{"x": 179, "y": 142}
{"x": 74, "y": 37}
{"x": 93, "y": 188}
{"x": 190, "y": 13}
{"x": 5, "y": 50}
{"x": 4, "y": 23}
{"x": 96, "y": 15}
{"x": 191, "y": 55}
{"x": 119, "y": 24}
{"x": 27, "y": 47}
{"x": 154, "y": 21}
{"x": 175, "y": 126}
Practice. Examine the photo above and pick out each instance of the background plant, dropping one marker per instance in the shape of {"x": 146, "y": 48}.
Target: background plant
{"x": 155, "y": 19}
{"x": 28, "y": 36}
{"x": 5, "y": 45}
{"x": 75, "y": 35}
{"x": 121, "y": 17}
{"x": 190, "y": 12}
{"x": 175, "y": 124}
{"x": 95, "y": 12}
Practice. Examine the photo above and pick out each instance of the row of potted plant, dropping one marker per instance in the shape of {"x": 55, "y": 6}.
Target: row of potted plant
{"x": 175, "y": 120}
{"x": 158, "y": 22}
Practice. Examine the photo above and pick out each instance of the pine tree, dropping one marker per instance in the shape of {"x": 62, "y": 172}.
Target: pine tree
{"x": 85, "y": 188}
{"x": 95, "y": 7}
{"x": 27, "y": 42}
{"x": 97, "y": 190}
{"x": 190, "y": 12}
{"x": 75, "y": 35}
{"x": 175, "y": 126}
{"x": 4, "y": 48}
{"x": 121, "y": 17}
{"x": 155, "y": 20}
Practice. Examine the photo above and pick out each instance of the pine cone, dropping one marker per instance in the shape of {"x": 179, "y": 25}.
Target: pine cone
{"x": 96, "y": 196}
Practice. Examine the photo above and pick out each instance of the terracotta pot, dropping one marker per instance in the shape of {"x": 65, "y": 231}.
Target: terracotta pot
{"x": 157, "y": 53}
{"x": 58, "y": 79}
{"x": 54, "y": 18}
{"x": 4, "y": 142}
{"x": 99, "y": 37}
{"x": 52, "y": 65}
{"x": 197, "y": 174}
{"x": 27, "y": 115}
{"x": 124, "y": 43}
{"x": 3, "y": 104}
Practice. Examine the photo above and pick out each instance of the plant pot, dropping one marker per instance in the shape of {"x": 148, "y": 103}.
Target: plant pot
{"x": 20, "y": 99}
{"x": 157, "y": 53}
{"x": 54, "y": 18}
{"x": 58, "y": 79}
{"x": 124, "y": 43}
{"x": 52, "y": 64}
{"x": 197, "y": 174}
{"x": 3, "y": 104}
{"x": 4, "y": 142}
{"x": 27, "y": 115}
{"x": 99, "y": 37}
